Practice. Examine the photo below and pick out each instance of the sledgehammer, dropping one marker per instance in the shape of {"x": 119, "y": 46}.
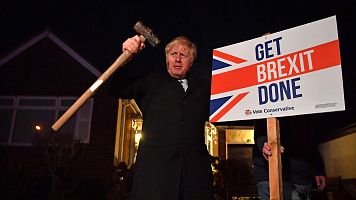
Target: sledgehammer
{"x": 146, "y": 34}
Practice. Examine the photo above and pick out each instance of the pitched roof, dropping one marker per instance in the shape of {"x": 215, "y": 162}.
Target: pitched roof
{"x": 59, "y": 43}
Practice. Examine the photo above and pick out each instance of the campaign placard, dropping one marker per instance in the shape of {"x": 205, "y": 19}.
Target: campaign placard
{"x": 291, "y": 72}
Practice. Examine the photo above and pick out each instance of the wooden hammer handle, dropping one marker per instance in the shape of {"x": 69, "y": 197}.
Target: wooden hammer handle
{"x": 120, "y": 61}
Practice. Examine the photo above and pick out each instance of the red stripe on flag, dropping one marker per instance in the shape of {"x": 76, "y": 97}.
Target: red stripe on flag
{"x": 324, "y": 56}
{"x": 228, "y": 107}
{"x": 228, "y": 57}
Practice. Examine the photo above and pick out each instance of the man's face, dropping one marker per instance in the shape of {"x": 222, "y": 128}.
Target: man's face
{"x": 178, "y": 61}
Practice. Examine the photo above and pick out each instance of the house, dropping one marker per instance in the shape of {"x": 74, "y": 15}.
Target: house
{"x": 40, "y": 80}
{"x": 43, "y": 77}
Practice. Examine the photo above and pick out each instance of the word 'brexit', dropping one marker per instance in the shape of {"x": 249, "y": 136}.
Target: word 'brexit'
{"x": 285, "y": 66}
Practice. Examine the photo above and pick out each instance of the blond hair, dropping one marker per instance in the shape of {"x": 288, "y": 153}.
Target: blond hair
{"x": 184, "y": 41}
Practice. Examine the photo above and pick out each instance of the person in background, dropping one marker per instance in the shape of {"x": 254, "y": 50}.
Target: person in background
{"x": 172, "y": 160}
{"x": 302, "y": 165}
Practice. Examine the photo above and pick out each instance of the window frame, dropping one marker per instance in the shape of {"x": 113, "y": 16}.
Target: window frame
{"x": 82, "y": 117}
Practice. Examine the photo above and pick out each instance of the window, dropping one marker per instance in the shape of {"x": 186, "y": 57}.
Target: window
{"x": 22, "y": 117}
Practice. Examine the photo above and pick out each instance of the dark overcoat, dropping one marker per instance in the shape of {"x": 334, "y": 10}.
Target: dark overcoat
{"x": 172, "y": 158}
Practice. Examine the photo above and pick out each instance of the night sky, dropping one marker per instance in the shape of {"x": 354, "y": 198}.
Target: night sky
{"x": 96, "y": 29}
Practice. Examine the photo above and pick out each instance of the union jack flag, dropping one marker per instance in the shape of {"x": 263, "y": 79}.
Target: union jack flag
{"x": 224, "y": 82}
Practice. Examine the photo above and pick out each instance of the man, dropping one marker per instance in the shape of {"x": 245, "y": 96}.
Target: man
{"x": 301, "y": 161}
{"x": 172, "y": 160}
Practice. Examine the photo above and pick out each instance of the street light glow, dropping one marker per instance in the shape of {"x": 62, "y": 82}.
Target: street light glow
{"x": 38, "y": 127}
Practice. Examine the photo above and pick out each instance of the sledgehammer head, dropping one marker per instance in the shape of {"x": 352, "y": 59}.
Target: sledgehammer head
{"x": 147, "y": 33}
